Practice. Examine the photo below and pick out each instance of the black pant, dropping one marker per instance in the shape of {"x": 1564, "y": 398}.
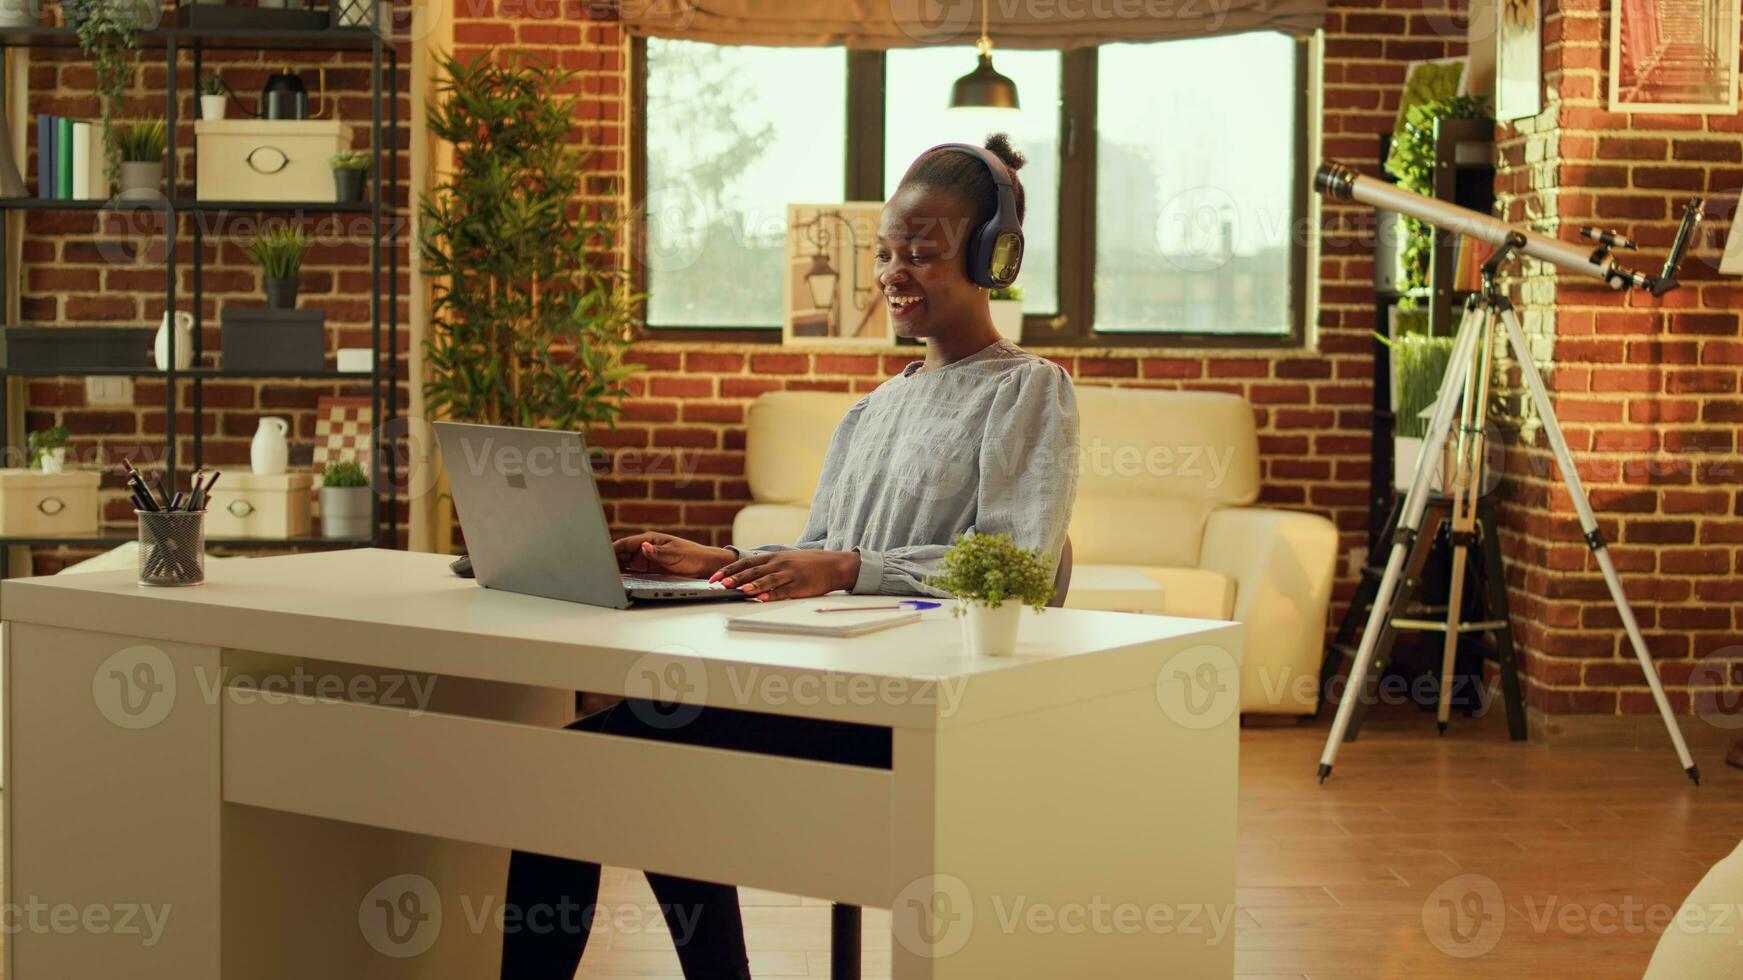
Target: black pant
{"x": 703, "y": 917}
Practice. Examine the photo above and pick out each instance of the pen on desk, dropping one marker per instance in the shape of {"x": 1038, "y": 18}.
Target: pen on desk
{"x": 911, "y": 604}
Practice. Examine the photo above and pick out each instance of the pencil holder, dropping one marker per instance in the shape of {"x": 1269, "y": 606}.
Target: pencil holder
{"x": 172, "y": 547}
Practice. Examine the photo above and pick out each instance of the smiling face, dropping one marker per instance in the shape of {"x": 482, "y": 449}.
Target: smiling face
{"x": 922, "y": 241}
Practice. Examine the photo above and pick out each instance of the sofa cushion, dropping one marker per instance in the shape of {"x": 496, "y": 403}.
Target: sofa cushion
{"x": 758, "y": 524}
{"x": 787, "y": 435}
{"x": 1152, "y": 589}
{"x": 1154, "y": 465}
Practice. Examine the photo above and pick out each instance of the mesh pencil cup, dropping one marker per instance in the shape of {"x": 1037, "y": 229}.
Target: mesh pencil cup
{"x": 172, "y": 547}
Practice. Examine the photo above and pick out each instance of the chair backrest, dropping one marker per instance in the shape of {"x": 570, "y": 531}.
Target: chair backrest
{"x": 1154, "y": 464}
{"x": 1062, "y": 576}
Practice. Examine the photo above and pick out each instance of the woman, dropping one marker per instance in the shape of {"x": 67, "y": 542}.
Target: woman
{"x": 978, "y": 436}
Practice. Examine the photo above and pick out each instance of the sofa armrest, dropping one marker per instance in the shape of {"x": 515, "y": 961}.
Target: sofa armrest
{"x": 1282, "y": 563}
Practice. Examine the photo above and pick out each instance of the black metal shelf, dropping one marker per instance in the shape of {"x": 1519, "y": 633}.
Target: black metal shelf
{"x": 184, "y": 205}
{"x": 208, "y": 38}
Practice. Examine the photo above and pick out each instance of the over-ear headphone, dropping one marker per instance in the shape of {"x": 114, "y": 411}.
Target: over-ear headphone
{"x": 995, "y": 249}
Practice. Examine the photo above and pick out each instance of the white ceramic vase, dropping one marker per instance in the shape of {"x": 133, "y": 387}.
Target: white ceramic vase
{"x": 269, "y": 454}
{"x": 184, "y": 327}
{"x": 212, "y": 106}
{"x": 990, "y": 631}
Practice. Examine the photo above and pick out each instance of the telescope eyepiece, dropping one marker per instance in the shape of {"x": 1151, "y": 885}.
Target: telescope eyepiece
{"x": 1335, "y": 180}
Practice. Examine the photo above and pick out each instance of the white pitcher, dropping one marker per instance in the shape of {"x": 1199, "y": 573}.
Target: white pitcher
{"x": 269, "y": 454}
{"x": 184, "y": 322}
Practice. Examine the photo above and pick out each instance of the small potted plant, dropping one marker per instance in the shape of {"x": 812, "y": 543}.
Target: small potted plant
{"x": 279, "y": 253}
{"x": 141, "y": 145}
{"x": 1006, "y": 303}
{"x": 992, "y": 580}
{"x": 344, "y": 500}
{"x": 211, "y": 97}
{"x": 349, "y": 170}
{"x": 48, "y": 449}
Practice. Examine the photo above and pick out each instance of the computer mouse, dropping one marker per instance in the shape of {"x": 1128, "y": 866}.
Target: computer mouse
{"x": 462, "y": 566}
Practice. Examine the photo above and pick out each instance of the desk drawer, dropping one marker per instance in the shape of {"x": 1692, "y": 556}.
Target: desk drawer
{"x": 807, "y": 828}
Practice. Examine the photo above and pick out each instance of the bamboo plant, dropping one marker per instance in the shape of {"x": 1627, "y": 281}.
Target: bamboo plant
{"x": 531, "y": 313}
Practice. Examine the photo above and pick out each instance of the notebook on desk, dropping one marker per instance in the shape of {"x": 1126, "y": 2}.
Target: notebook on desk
{"x": 804, "y": 619}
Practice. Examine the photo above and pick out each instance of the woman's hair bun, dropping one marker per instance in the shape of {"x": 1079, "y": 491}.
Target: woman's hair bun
{"x": 1000, "y": 145}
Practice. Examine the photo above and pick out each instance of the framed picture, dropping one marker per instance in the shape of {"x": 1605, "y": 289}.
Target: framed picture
{"x": 1673, "y": 55}
{"x": 831, "y": 296}
{"x": 1518, "y": 59}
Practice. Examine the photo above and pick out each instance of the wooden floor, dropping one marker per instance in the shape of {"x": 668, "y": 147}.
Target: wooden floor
{"x": 1421, "y": 858}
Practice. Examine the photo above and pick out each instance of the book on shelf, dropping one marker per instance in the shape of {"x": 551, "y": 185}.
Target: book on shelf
{"x": 47, "y": 130}
{"x": 63, "y": 158}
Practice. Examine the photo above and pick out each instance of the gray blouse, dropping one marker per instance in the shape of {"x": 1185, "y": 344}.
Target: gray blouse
{"x": 986, "y": 444}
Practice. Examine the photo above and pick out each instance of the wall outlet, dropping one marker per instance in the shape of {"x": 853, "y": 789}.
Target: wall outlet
{"x": 106, "y": 391}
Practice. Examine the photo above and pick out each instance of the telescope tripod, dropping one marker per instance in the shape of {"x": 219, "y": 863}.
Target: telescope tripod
{"x": 1465, "y": 392}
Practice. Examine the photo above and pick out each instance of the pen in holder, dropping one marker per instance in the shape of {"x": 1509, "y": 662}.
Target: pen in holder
{"x": 172, "y": 547}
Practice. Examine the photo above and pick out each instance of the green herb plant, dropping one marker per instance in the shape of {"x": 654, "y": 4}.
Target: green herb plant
{"x": 279, "y": 251}
{"x": 349, "y": 160}
{"x": 989, "y": 569}
{"x": 41, "y": 442}
{"x": 532, "y": 310}
{"x": 211, "y": 85}
{"x": 344, "y": 473}
{"x": 142, "y": 142}
{"x": 109, "y": 36}
{"x": 1419, "y": 364}
{"x": 1411, "y": 160}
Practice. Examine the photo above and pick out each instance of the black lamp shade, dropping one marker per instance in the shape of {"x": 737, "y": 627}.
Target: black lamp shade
{"x": 984, "y": 88}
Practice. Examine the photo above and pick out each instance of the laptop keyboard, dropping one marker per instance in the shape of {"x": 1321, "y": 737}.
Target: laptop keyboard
{"x": 669, "y": 585}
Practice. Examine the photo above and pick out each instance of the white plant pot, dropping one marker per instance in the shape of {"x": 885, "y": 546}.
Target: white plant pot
{"x": 55, "y": 460}
{"x": 1008, "y": 318}
{"x": 1406, "y": 450}
{"x": 345, "y": 512}
{"x": 990, "y": 631}
{"x": 212, "y": 106}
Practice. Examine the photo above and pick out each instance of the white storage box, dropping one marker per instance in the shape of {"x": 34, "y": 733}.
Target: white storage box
{"x": 268, "y": 159}
{"x": 62, "y": 504}
{"x": 248, "y": 506}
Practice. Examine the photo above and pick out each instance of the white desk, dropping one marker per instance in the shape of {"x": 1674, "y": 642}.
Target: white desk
{"x": 1066, "y": 812}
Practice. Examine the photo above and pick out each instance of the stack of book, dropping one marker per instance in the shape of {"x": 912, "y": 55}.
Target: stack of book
{"x": 69, "y": 160}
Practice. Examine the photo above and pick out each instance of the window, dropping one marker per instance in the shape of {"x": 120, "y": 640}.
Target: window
{"x": 733, "y": 135}
{"x": 1166, "y": 182}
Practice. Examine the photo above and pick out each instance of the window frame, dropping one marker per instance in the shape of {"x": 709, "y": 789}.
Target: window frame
{"x": 1072, "y": 325}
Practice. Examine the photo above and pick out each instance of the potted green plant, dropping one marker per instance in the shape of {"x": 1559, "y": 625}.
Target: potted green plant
{"x": 344, "y": 500}
{"x": 108, "y": 33}
{"x": 1418, "y": 367}
{"x": 993, "y": 579}
{"x": 48, "y": 448}
{"x": 141, "y": 145}
{"x": 211, "y": 97}
{"x": 518, "y": 272}
{"x": 349, "y": 170}
{"x": 279, "y": 252}
{"x": 1006, "y": 303}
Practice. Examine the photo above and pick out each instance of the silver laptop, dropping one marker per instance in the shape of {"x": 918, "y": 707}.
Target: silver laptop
{"x": 533, "y": 522}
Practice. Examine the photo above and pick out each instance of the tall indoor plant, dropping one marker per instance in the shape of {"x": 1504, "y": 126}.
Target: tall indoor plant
{"x": 531, "y": 314}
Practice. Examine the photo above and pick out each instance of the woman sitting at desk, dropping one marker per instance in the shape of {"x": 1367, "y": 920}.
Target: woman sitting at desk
{"x": 979, "y": 436}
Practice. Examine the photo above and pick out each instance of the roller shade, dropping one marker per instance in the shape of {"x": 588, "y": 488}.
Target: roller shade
{"x": 1061, "y": 24}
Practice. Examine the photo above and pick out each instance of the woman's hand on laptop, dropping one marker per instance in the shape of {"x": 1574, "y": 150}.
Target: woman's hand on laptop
{"x": 791, "y": 574}
{"x": 668, "y": 554}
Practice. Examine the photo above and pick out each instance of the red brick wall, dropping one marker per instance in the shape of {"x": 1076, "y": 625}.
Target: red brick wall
{"x": 1647, "y": 390}
{"x": 87, "y": 269}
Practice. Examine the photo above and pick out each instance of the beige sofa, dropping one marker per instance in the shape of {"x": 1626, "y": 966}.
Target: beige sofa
{"x": 1161, "y": 523}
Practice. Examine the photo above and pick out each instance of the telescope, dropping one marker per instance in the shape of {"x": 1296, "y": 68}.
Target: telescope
{"x": 1343, "y": 183}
